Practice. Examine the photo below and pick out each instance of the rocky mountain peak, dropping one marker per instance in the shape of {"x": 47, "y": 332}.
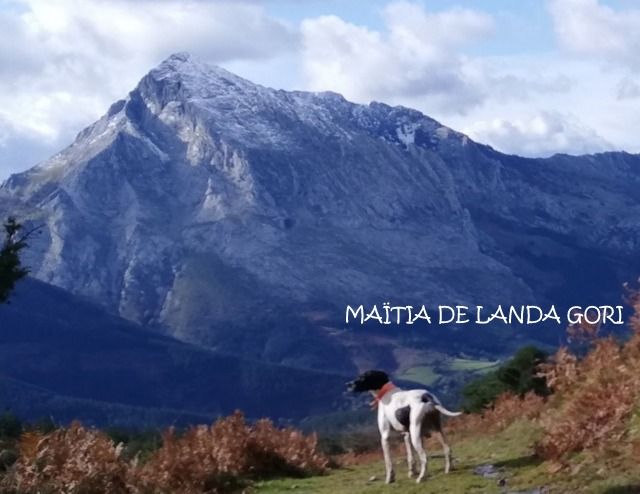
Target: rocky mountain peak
{"x": 197, "y": 79}
{"x": 202, "y": 198}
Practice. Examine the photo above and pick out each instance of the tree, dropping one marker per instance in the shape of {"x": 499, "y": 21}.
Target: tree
{"x": 10, "y": 426}
{"x": 518, "y": 375}
{"x": 11, "y": 269}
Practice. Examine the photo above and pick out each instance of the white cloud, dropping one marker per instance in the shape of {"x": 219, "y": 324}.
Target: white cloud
{"x": 517, "y": 103}
{"x": 590, "y": 28}
{"x": 417, "y": 55}
{"x": 628, "y": 89}
{"x": 63, "y": 62}
{"x": 542, "y": 134}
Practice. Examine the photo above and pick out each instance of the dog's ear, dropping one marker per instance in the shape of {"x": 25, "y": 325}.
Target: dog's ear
{"x": 371, "y": 380}
{"x": 378, "y": 378}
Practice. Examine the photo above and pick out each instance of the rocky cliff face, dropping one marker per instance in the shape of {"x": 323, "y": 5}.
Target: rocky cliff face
{"x": 205, "y": 204}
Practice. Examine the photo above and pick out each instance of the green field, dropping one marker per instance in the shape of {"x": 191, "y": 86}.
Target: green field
{"x": 422, "y": 374}
{"x": 470, "y": 365}
{"x": 429, "y": 375}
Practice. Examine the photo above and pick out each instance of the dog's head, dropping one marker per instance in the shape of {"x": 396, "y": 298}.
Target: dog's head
{"x": 368, "y": 381}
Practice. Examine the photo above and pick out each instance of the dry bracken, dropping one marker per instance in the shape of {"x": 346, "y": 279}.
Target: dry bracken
{"x": 204, "y": 459}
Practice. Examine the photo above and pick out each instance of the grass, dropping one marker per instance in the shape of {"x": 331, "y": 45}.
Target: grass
{"x": 468, "y": 454}
{"x": 422, "y": 374}
{"x": 508, "y": 451}
{"x": 354, "y": 480}
{"x": 428, "y": 375}
{"x": 469, "y": 365}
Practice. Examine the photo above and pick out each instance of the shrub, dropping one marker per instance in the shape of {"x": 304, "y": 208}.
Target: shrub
{"x": 214, "y": 459}
{"x": 74, "y": 460}
{"x": 137, "y": 444}
{"x": 506, "y": 409}
{"x": 205, "y": 459}
{"x": 7, "y": 458}
{"x": 596, "y": 396}
{"x": 10, "y": 426}
{"x": 594, "y": 404}
{"x": 599, "y": 396}
{"x": 518, "y": 376}
{"x": 44, "y": 425}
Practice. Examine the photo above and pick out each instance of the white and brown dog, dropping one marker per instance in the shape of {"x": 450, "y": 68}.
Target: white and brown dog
{"x": 414, "y": 413}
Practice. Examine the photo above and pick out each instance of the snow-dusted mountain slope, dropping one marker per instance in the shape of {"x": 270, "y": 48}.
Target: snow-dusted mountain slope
{"x": 207, "y": 204}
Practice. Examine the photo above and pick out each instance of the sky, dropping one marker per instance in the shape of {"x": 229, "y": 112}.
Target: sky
{"x": 530, "y": 77}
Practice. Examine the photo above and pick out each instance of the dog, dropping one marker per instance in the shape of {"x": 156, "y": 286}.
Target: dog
{"x": 415, "y": 413}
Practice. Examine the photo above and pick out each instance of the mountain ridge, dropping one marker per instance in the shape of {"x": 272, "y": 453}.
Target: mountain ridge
{"x": 225, "y": 213}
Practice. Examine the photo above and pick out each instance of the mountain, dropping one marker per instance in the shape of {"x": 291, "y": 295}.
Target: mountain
{"x": 243, "y": 219}
{"x": 63, "y": 356}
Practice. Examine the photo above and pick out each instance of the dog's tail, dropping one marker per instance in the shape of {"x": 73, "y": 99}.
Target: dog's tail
{"x": 446, "y": 412}
{"x": 428, "y": 397}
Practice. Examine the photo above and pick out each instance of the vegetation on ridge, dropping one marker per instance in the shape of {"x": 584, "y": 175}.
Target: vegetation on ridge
{"x": 517, "y": 376}
{"x": 11, "y": 269}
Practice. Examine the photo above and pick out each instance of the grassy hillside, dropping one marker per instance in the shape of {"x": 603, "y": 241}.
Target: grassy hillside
{"x": 572, "y": 442}
{"x": 583, "y": 438}
{"x": 485, "y": 462}
{"x": 506, "y": 458}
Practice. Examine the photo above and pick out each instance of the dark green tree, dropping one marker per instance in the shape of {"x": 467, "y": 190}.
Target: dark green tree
{"x": 11, "y": 269}
{"x": 10, "y": 426}
{"x": 518, "y": 375}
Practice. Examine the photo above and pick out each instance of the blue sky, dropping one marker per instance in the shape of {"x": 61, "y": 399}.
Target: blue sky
{"x": 532, "y": 77}
{"x": 523, "y": 24}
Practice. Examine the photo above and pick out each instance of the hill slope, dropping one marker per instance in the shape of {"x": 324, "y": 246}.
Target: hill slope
{"x": 64, "y": 356}
{"x": 494, "y": 463}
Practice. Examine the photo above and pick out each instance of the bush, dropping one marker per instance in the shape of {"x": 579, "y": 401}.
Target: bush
{"x": 204, "y": 459}
{"x": 10, "y": 426}
{"x": 599, "y": 396}
{"x": 7, "y": 458}
{"x": 595, "y": 398}
{"x": 74, "y": 460}
{"x": 517, "y": 376}
{"x": 214, "y": 459}
{"x": 137, "y": 444}
{"x": 44, "y": 425}
{"x": 506, "y": 409}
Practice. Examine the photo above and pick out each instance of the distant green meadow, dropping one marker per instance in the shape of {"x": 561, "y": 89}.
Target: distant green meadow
{"x": 428, "y": 375}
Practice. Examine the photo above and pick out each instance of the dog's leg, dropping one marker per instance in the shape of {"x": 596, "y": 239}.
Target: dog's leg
{"x": 415, "y": 430}
{"x": 388, "y": 464}
{"x": 445, "y": 448}
{"x": 410, "y": 463}
{"x": 385, "y": 432}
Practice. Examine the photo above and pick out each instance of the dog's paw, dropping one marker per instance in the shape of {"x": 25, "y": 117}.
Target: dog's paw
{"x": 391, "y": 478}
